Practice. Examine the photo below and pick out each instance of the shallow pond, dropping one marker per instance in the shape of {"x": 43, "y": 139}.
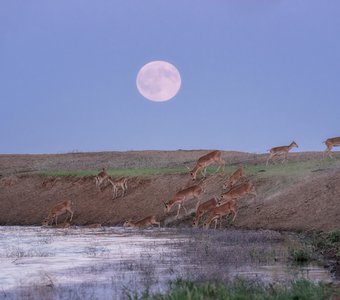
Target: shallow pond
{"x": 108, "y": 263}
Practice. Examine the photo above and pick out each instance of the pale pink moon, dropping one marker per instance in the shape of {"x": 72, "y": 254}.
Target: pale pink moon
{"x": 158, "y": 81}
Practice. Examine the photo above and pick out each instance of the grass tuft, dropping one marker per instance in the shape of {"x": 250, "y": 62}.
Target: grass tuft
{"x": 240, "y": 289}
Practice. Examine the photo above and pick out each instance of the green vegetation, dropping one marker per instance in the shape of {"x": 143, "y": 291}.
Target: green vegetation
{"x": 328, "y": 243}
{"x": 291, "y": 169}
{"x": 240, "y": 289}
{"x": 114, "y": 172}
{"x": 300, "y": 256}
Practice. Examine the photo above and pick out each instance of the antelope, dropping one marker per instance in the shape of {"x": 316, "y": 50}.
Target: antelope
{"x": 233, "y": 178}
{"x": 238, "y": 192}
{"x": 205, "y": 161}
{"x": 281, "y": 150}
{"x": 184, "y": 195}
{"x": 60, "y": 209}
{"x": 151, "y": 220}
{"x": 330, "y": 143}
{"x": 101, "y": 177}
{"x": 219, "y": 212}
{"x": 118, "y": 184}
{"x": 202, "y": 209}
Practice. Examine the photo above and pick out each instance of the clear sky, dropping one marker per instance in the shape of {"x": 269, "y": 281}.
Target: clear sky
{"x": 255, "y": 74}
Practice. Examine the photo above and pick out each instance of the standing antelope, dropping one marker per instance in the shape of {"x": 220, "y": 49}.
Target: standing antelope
{"x": 101, "y": 178}
{"x": 184, "y": 195}
{"x": 276, "y": 151}
{"x": 151, "y": 220}
{"x": 238, "y": 192}
{"x": 59, "y": 209}
{"x": 233, "y": 178}
{"x": 219, "y": 212}
{"x": 330, "y": 143}
{"x": 202, "y": 209}
{"x": 205, "y": 161}
{"x": 118, "y": 184}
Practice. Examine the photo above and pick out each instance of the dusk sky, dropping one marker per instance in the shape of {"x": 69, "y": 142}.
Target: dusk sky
{"x": 255, "y": 74}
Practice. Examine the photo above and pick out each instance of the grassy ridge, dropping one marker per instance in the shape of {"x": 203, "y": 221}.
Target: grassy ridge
{"x": 291, "y": 168}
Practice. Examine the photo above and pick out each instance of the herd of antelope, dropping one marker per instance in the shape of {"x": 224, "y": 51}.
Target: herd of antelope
{"x": 215, "y": 208}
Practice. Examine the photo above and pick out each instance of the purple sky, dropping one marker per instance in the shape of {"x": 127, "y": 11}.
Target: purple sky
{"x": 255, "y": 74}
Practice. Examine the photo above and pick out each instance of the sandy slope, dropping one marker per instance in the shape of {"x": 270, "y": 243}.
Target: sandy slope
{"x": 309, "y": 202}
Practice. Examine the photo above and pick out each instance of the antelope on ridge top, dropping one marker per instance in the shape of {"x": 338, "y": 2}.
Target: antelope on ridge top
{"x": 205, "y": 161}
{"x": 180, "y": 197}
{"x": 276, "y": 151}
{"x": 330, "y": 143}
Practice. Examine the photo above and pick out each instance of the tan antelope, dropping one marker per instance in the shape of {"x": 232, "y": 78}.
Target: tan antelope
{"x": 233, "y": 178}
{"x": 238, "y": 192}
{"x": 205, "y": 161}
{"x": 330, "y": 143}
{"x": 276, "y": 151}
{"x": 118, "y": 184}
{"x": 101, "y": 178}
{"x": 202, "y": 209}
{"x": 151, "y": 220}
{"x": 192, "y": 192}
{"x": 60, "y": 209}
{"x": 219, "y": 212}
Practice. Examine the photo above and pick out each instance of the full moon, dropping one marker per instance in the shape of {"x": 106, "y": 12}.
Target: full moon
{"x": 158, "y": 81}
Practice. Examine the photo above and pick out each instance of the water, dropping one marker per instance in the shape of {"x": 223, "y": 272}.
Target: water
{"x": 80, "y": 262}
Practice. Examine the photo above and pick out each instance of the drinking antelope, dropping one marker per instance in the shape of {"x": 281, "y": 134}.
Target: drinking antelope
{"x": 202, "y": 209}
{"x": 330, "y": 143}
{"x": 238, "y": 192}
{"x": 184, "y": 195}
{"x": 101, "y": 178}
{"x": 219, "y": 212}
{"x": 276, "y": 151}
{"x": 60, "y": 209}
{"x": 205, "y": 161}
{"x": 233, "y": 178}
{"x": 118, "y": 184}
{"x": 151, "y": 220}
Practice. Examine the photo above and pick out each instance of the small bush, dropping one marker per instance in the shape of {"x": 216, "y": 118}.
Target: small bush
{"x": 333, "y": 236}
{"x": 300, "y": 255}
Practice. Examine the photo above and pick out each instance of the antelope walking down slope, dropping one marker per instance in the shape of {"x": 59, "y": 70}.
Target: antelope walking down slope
{"x": 281, "y": 150}
{"x": 238, "y": 192}
{"x": 205, "y": 161}
{"x": 330, "y": 143}
{"x": 235, "y": 177}
{"x": 101, "y": 178}
{"x": 118, "y": 184}
{"x": 192, "y": 192}
{"x": 202, "y": 209}
{"x": 59, "y": 209}
{"x": 151, "y": 220}
{"x": 219, "y": 212}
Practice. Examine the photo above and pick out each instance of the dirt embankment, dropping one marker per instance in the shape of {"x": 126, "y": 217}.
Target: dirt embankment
{"x": 305, "y": 203}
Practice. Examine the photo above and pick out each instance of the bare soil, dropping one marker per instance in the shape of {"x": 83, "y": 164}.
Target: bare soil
{"x": 301, "y": 203}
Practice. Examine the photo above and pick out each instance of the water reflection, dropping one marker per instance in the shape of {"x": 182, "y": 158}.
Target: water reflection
{"x": 115, "y": 260}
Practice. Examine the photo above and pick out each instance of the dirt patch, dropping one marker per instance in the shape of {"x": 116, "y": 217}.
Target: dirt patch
{"x": 309, "y": 202}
